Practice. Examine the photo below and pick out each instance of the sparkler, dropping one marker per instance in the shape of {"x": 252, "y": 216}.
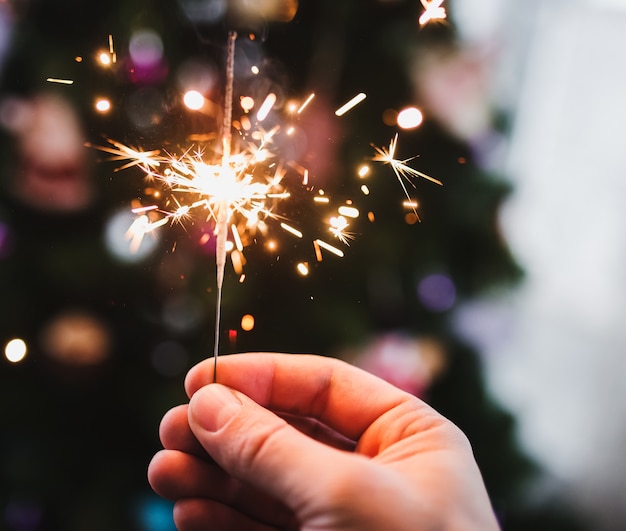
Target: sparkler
{"x": 235, "y": 185}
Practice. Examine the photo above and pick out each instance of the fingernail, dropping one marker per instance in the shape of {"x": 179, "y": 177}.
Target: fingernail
{"x": 213, "y": 406}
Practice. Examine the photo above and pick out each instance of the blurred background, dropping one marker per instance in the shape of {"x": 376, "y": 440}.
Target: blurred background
{"x": 497, "y": 298}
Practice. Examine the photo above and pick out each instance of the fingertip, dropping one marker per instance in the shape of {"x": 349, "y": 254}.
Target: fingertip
{"x": 156, "y": 468}
{"x": 172, "y": 424}
{"x": 199, "y": 375}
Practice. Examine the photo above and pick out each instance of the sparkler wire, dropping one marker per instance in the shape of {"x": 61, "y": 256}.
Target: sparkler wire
{"x": 222, "y": 214}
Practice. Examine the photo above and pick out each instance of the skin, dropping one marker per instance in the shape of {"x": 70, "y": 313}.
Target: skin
{"x": 301, "y": 442}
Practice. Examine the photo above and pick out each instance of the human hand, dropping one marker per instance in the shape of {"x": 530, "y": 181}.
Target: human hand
{"x": 300, "y": 442}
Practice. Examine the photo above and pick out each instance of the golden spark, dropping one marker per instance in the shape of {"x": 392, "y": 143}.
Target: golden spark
{"x": 60, "y": 81}
{"x": 401, "y": 169}
{"x": 432, "y": 11}
{"x": 350, "y": 104}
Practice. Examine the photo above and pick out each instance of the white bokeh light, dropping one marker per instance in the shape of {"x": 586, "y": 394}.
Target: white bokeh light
{"x": 15, "y": 350}
{"x": 118, "y": 241}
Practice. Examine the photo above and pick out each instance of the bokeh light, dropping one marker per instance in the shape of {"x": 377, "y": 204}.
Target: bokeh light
{"x": 196, "y": 75}
{"x": 303, "y": 268}
{"x": 77, "y": 338}
{"x": 103, "y": 105}
{"x": 118, "y": 238}
{"x": 169, "y": 358}
{"x": 193, "y": 100}
{"x": 5, "y": 240}
{"x": 437, "y": 292}
{"x": 247, "y": 322}
{"x": 104, "y": 59}
{"x": 146, "y": 48}
{"x": 15, "y": 350}
{"x": 410, "y": 118}
{"x": 247, "y": 103}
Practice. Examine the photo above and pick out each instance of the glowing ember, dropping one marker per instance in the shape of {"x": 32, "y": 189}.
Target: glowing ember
{"x": 432, "y": 11}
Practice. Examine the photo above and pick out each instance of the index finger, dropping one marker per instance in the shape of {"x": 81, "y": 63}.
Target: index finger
{"x": 344, "y": 397}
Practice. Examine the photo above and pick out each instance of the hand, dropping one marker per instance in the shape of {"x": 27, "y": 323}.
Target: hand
{"x": 303, "y": 442}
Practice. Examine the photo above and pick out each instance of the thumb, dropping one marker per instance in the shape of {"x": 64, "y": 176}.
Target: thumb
{"x": 256, "y": 446}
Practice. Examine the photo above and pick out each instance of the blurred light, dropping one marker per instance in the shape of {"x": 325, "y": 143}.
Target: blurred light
{"x": 365, "y": 190}
{"x": 207, "y": 11}
{"x": 410, "y": 118}
{"x": 169, "y": 358}
{"x": 363, "y": 171}
{"x": 23, "y": 515}
{"x": 15, "y": 350}
{"x": 274, "y": 10}
{"x": 182, "y": 313}
{"x": 254, "y": 69}
{"x": 411, "y": 218}
{"x": 303, "y": 269}
{"x": 103, "y": 105}
{"x": 247, "y": 322}
{"x": 437, "y": 292}
{"x": 5, "y": 240}
{"x": 154, "y": 514}
{"x": 146, "y": 48}
{"x": 118, "y": 238}
{"x": 245, "y": 122}
{"x": 247, "y": 103}
{"x": 196, "y": 75}
{"x": 76, "y": 338}
{"x": 104, "y": 59}
{"x": 390, "y": 117}
{"x": 193, "y": 100}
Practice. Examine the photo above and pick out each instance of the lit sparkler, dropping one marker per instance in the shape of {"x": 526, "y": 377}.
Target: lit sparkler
{"x": 233, "y": 185}
{"x": 401, "y": 169}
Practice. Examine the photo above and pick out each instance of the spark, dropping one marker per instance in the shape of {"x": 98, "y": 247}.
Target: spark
{"x": 338, "y": 226}
{"x": 432, "y": 11}
{"x": 305, "y": 103}
{"x": 400, "y": 168}
{"x": 60, "y": 81}
{"x": 328, "y": 247}
{"x": 350, "y": 104}
{"x": 134, "y": 156}
{"x": 292, "y": 230}
{"x": 112, "y": 52}
{"x": 266, "y": 107}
